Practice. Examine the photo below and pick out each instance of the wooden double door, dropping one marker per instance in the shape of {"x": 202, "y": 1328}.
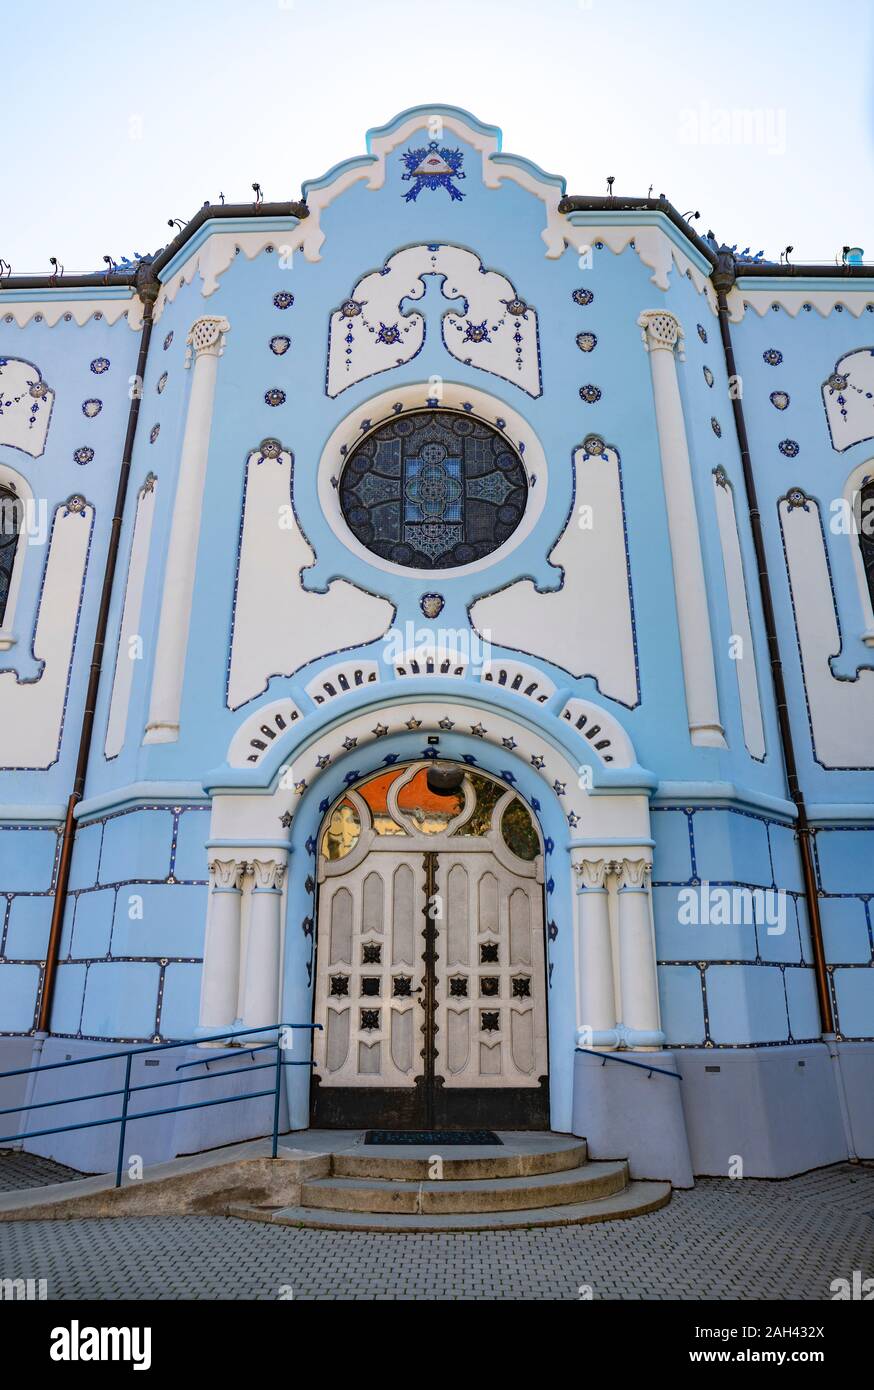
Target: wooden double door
{"x": 430, "y": 981}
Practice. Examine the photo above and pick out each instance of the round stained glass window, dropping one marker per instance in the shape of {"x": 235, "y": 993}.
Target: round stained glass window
{"x": 433, "y": 489}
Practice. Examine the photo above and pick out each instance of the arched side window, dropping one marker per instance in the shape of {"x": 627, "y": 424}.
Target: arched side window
{"x": 866, "y": 534}
{"x": 10, "y": 532}
{"x": 15, "y": 497}
{"x": 859, "y": 511}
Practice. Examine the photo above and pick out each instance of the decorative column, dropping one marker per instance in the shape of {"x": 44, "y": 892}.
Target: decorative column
{"x": 596, "y": 1005}
{"x": 221, "y": 957}
{"x": 261, "y": 990}
{"x": 662, "y": 336}
{"x": 206, "y": 343}
{"x": 638, "y": 981}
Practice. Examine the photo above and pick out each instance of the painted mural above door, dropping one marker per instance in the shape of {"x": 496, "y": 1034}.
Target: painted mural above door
{"x": 490, "y": 326}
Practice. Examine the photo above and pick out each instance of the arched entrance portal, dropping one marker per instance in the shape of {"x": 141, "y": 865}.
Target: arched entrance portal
{"x": 430, "y": 979}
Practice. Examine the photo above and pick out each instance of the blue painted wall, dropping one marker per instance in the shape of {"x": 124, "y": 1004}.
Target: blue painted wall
{"x": 121, "y": 977}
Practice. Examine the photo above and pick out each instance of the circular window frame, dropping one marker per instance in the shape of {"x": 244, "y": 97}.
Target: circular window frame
{"x": 454, "y": 397}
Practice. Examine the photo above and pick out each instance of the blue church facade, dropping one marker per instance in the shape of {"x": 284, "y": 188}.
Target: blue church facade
{"x": 442, "y": 466}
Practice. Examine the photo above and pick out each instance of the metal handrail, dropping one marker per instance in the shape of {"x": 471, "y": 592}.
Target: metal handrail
{"x": 236, "y": 1053}
{"x": 127, "y": 1089}
{"x": 612, "y": 1057}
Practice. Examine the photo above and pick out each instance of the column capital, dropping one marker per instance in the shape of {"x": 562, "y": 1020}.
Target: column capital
{"x": 268, "y": 875}
{"x": 661, "y": 330}
{"x": 227, "y": 874}
{"x": 590, "y": 873}
{"x": 206, "y": 337}
{"x": 633, "y": 873}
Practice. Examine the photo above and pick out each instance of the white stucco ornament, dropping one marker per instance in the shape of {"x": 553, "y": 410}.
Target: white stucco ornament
{"x": 848, "y": 397}
{"x": 26, "y": 403}
{"x": 592, "y": 638}
{"x": 490, "y": 326}
{"x": 276, "y": 639}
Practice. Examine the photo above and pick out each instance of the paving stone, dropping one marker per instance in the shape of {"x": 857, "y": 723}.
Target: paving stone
{"x": 18, "y": 1171}
{"x": 722, "y": 1240}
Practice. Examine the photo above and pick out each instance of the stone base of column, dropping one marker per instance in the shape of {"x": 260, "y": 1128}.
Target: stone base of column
{"x": 161, "y": 733}
{"x": 707, "y": 735}
{"x": 624, "y": 1112}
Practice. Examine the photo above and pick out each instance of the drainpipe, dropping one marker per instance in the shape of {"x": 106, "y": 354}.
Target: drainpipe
{"x": 723, "y": 278}
{"x": 147, "y": 288}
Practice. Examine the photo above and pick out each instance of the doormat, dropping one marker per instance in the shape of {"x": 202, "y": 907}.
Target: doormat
{"x": 431, "y": 1136}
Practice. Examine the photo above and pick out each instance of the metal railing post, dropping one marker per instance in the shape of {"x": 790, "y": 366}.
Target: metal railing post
{"x": 124, "y": 1104}
{"x": 276, "y": 1092}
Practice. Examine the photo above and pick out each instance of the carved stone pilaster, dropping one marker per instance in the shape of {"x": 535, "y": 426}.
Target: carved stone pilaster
{"x": 633, "y": 874}
{"x": 205, "y": 343}
{"x": 663, "y": 340}
{"x": 206, "y": 337}
{"x": 661, "y": 331}
{"x": 591, "y": 874}
{"x": 268, "y": 875}
{"x": 221, "y": 957}
{"x": 227, "y": 874}
{"x": 261, "y": 987}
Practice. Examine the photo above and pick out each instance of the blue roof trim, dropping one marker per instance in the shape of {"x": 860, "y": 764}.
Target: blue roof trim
{"x": 520, "y": 162}
{"x": 223, "y": 224}
{"x": 806, "y": 283}
{"x": 364, "y": 162}
{"x": 438, "y": 109}
{"x": 361, "y": 161}
{"x": 644, "y": 218}
{"x": 62, "y": 294}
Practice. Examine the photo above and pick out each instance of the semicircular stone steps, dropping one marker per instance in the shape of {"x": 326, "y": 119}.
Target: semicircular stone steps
{"x": 554, "y": 1153}
{"x": 517, "y": 1185}
{"x": 583, "y": 1184}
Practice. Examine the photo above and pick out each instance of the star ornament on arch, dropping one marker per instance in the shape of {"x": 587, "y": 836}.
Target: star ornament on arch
{"x": 446, "y": 723}
{"x": 380, "y": 731}
{"x": 538, "y": 761}
{"x": 478, "y": 730}
{"x": 413, "y": 723}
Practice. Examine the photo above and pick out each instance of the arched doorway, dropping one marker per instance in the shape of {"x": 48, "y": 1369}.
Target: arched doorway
{"x": 430, "y": 978}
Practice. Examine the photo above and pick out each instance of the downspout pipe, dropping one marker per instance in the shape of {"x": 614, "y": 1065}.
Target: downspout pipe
{"x": 147, "y": 288}
{"x": 723, "y": 278}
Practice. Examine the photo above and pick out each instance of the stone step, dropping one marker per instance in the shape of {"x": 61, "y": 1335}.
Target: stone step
{"x": 636, "y": 1199}
{"x": 553, "y": 1153}
{"x": 586, "y": 1183}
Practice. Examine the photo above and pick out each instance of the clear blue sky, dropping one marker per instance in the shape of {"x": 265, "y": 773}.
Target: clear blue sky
{"x": 760, "y": 113}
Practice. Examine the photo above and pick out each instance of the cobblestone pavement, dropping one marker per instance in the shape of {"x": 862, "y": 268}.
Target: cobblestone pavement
{"x": 723, "y": 1240}
{"x": 19, "y": 1171}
